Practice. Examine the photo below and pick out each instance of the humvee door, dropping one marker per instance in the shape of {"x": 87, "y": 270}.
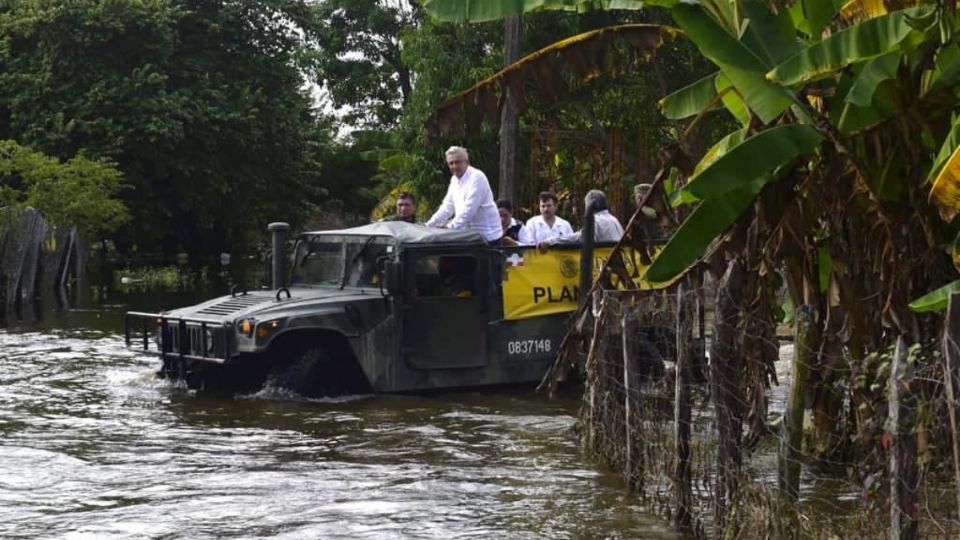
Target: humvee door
{"x": 445, "y": 312}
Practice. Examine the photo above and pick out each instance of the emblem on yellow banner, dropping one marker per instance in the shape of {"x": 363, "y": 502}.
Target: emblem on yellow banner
{"x": 539, "y": 284}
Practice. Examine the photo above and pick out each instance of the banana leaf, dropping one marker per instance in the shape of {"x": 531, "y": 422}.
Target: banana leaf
{"x": 874, "y": 72}
{"x": 730, "y": 140}
{"x": 753, "y": 159}
{"x": 732, "y": 100}
{"x": 737, "y": 62}
{"x": 550, "y": 71}
{"x": 949, "y": 146}
{"x": 696, "y": 233}
{"x": 935, "y": 300}
{"x": 861, "y": 42}
{"x": 815, "y": 16}
{"x": 769, "y": 35}
{"x": 855, "y": 11}
{"x": 690, "y": 100}
{"x": 947, "y": 70}
{"x": 945, "y": 192}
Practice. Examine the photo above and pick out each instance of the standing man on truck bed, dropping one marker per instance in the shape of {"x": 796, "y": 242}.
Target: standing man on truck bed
{"x": 469, "y": 200}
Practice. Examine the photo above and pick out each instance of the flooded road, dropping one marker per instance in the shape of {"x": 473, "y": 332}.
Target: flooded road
{"x": 93, "y": 445}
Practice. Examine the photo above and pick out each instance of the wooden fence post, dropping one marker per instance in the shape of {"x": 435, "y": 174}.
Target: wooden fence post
{"x": 951, "y": 379}
{"x": 725, "y": 389}
{"x": 625, "y": 328}
{"x": 791, "y": 438}
{"x": 903, "y": 447}
{"x": 683, "y": 492}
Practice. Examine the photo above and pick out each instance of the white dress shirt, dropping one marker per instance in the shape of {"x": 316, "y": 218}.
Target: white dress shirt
{"x": 537, "y": 230}
{"x": 606, "y": 228}
{"x": 469, "y": 201}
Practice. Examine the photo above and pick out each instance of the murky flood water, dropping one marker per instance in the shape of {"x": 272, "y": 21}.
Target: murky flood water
{"x": 92, "y": 445}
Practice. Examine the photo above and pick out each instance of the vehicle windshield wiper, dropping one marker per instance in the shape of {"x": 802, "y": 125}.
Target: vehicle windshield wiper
{"x": 353, "y": 261}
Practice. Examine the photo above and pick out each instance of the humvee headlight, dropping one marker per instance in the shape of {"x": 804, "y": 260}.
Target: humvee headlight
{"x": 246, "y": 327}
{"x": 264, "y": 329}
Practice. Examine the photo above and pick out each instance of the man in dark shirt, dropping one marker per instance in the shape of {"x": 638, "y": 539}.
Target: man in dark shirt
{"x": 406, "y": 209}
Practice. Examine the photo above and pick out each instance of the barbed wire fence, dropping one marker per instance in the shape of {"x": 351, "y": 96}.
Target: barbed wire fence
{"x": 728, "y": 443}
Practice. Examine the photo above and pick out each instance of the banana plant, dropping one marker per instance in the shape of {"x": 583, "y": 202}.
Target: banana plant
{"x": 848, "y": 146}
{"x": 775, "y": 66}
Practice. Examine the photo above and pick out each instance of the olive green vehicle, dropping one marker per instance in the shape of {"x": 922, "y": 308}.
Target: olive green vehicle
{"x": 386, "y": 307}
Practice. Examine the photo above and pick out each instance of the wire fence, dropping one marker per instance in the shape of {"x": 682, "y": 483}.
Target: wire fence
{"x": 727, "y": 442}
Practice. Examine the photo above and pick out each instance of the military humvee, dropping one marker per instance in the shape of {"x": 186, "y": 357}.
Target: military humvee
{"x": 386, "y": 307}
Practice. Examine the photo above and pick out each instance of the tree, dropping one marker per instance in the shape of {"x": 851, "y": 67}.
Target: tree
{"x": 197, "y": 102}
{"x": 79, "y": 192}
{"x": 359, "y": 60}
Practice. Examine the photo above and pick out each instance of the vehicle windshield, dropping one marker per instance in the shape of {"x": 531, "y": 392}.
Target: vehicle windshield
{"x": 350, "y": 263}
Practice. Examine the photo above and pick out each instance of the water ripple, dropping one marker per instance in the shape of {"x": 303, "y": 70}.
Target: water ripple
{"x": 95, "y": 446}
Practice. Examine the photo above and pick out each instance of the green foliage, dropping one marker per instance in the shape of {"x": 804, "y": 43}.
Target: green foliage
{"x": 359, "y": 58}
{"x": 935, "y": 300}
{"x": 446, "y": 58}
{"x": 198, "y": 103}
{"x": 690, "y": 100}
{"x": 79, "y": 192}
{"x": 864, "y": 41}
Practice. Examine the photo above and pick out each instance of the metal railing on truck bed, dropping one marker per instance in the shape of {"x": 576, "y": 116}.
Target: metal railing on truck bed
{"x": 181, "y": 339}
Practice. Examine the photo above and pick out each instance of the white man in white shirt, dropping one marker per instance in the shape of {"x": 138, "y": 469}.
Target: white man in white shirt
{"x": 547, "y": 225}
{"x": 469, "y": 200}
{"x": 606, "y": 227}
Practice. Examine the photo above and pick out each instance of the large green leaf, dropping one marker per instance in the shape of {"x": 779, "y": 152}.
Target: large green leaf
{"x": 754, "y": 158}
{"x": 709, "y": 219}
{"x": 729, "y": 141}
{"x": 860, "y": 42}
{"x": 771, "y": 36}
{"x": 766, "y": 100}
{"x": 690, "y": 100}
{"x": 731, "y": 100}
{"x": 946, "y": 150}
{"x": 718, "y": 45}
{"x": 489, "y": 10}
{"x": 873, "y": 73}
{"x": 947, "y": 70}
{"x": 935, "y": 300}
{"x": 715, "y": 152}
{"x": 816, "y": 15}
{"x": 740, "y": 65}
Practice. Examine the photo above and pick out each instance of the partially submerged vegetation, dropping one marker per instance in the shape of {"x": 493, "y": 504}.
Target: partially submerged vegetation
{"x": 833, "y": 185}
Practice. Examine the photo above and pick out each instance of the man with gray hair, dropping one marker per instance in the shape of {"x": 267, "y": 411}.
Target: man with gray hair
{"x": 469, "y": 200}
{"x": 606, "y": 227}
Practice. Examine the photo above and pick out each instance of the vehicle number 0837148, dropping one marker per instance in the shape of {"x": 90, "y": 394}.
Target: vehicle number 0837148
{"x": 529, "y": 346}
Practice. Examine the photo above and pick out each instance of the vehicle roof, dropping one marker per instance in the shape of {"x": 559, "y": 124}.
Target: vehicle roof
{"x": 409, "y": 233}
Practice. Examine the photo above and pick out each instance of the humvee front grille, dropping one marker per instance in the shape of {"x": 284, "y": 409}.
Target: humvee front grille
{"x": 182, "y": 338}
{"x": 233, "y": 305}
{"x": 194, "y": 339}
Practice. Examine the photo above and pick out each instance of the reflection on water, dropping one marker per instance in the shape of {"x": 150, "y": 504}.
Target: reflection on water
{"x": 92, "y": 445}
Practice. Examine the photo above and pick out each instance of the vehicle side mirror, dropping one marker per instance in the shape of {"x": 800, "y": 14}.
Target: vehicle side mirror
{"x": 392, "y": 278}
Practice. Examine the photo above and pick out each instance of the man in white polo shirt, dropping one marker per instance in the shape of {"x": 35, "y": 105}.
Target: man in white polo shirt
{"x": 548, "y": 224}
{"x": 606, "y": 227}
{"x": 469, "y": 200}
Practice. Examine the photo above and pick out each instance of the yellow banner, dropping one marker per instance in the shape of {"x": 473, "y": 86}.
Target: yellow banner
{"x": 547, "y": 283}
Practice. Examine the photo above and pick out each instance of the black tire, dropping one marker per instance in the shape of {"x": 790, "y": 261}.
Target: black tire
{"x": 314, "y": 372}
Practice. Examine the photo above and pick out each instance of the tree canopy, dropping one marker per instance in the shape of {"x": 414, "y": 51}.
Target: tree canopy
{"x": 198, "y": 103}
{"x": 78, "y": 192}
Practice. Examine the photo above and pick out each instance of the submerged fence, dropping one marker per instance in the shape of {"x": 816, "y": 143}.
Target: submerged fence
{"x": 671, "y": 402}
{"x": 36, "y": 258}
